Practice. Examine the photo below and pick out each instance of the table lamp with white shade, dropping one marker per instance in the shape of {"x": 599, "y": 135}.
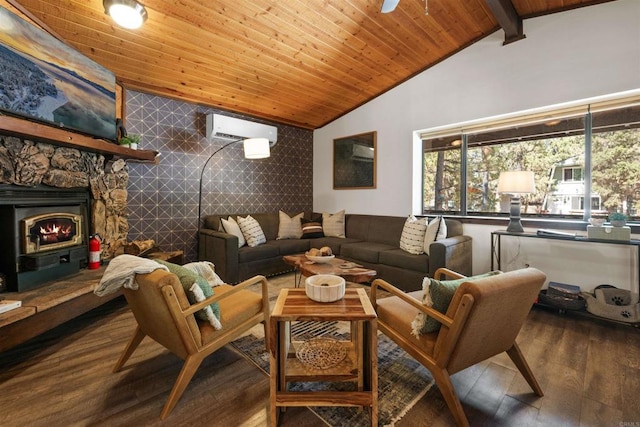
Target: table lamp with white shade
{"x": 516, "y": 184}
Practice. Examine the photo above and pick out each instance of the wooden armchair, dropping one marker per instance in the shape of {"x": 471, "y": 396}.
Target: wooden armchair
{"x": 163, "y": 313}
{"x": 483, "y": 319}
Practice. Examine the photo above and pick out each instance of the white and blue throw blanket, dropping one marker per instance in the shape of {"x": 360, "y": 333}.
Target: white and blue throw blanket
{"x": 121, "y": 272}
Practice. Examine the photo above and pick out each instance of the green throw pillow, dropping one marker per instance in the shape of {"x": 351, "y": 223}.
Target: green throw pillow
{"x": 438, "y": 295}
{"x": 187, "y": 279}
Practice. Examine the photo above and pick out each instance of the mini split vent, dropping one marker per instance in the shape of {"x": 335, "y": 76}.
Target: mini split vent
{"x": 229, "y": 128}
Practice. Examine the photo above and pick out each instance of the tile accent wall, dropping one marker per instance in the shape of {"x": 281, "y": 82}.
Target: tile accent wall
{"x": 163, "y": 198}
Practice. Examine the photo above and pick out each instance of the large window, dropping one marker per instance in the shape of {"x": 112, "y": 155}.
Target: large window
{"x": 575, "y": 156}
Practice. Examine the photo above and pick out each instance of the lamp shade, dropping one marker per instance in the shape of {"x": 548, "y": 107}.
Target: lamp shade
{"x": 516, "y": 182}
{"x": 127, "y": 13}
{"x": 256, "y": 148}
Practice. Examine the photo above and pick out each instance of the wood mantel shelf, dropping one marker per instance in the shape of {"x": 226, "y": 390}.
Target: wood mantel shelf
{"x": 37, "y": 131}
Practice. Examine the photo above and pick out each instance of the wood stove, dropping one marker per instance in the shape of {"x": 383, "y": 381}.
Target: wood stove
{"x": 46, "y": 232}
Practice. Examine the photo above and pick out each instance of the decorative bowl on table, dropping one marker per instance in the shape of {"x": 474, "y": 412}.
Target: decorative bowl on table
{"x": 325, "y": 287}
{"x": 320, "y": 259}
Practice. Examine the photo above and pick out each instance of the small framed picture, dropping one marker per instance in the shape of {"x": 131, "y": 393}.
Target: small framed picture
{"x": 354, "y": 162}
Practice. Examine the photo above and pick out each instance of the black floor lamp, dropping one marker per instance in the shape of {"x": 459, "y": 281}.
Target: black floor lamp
{"x": 254, "y": 148}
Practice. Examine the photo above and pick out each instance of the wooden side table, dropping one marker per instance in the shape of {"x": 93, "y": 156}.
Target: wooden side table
{"x": 360, "y": 364}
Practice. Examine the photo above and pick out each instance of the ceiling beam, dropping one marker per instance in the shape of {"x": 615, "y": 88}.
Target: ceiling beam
{"x": 508, "y": 18}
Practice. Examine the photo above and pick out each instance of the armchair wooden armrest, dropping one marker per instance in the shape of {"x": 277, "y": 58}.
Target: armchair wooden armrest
{"x": 264, "y": 288}
{"x": 237, "y": 288}
{"x": 446, "y": 272}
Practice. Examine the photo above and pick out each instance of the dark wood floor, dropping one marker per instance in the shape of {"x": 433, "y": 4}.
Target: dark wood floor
{"x": 590, "y": 372}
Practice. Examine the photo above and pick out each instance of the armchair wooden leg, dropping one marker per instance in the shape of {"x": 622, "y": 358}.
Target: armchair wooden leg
{"x": 518, "y": 359}
{"x": 191, "y": 365}
{"x": 135, "y": 340}
{"x": 443, "y": 380}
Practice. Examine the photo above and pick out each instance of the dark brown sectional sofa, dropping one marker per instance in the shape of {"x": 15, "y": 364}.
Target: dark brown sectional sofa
{"x": 371, "y": 240}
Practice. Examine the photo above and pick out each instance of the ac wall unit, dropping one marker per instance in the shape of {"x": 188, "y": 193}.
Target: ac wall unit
{"x": 229, "y": 128}
{"x": 362, "y": 153}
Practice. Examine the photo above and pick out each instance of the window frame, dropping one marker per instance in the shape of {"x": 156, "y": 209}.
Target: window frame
{"x": 461, "y": 132}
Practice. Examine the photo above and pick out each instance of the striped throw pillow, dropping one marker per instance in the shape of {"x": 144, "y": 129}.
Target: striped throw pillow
{"x": 251, "y": 231}
{"x": 412, "y": 237}
{"x": 436, "y": 230}
{"x": 311, "y": 229}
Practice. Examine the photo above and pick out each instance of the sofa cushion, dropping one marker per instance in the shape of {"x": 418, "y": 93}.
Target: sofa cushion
{"x": 365, "y": 251}
{"x": 401, "y": 259}
{"x": 230, "y": 226}
{"x": 311, "y": 229}
{"x": 251, "y": 231}
{"x": 249, "y": 254}
{"x": 289, "y": 227}
{"x": 438, "y": 295}
{"x": 412, "y": 237}
{"x": 289, "y": 246}
{"x": 333, "y": 224}
{"x": 197, "y": 289}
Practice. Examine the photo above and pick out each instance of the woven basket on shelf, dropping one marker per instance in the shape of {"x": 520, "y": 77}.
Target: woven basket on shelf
{"x": 321, "y": 353}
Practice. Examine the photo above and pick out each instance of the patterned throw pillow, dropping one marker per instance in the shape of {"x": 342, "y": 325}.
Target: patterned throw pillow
{"x": 412, "y": 238}
{"x": 436, "y": 230}
{"x": 311, "y": 229}
{"x": 230, "y": 226}
{"x": 438, "y": 295}
{"x": 251, "y": 231}
{"x": 333, "y": 224}
{"x": 289, "y": 228}
{"x": 197, "y": 289}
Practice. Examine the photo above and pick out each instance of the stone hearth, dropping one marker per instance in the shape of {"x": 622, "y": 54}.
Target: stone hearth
{"x": 28, "y": 164}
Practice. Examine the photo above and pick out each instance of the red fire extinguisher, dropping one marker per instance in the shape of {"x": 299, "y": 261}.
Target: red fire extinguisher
{"x": 94, "y": 252}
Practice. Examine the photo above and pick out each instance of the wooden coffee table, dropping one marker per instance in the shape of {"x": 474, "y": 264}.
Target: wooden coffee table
{"x": 360, "y": 365}
{"x": 302, "y": 265}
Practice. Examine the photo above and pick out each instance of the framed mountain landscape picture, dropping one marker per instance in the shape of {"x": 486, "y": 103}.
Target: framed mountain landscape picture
{"x": 44, "y": 80}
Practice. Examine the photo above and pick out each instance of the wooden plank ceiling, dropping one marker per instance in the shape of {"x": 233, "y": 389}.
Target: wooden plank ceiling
{"x": 298, "y": 62}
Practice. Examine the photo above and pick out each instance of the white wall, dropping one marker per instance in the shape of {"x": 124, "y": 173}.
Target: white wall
{"x": 569, "y": 56}
{"x": 578, "y": 54}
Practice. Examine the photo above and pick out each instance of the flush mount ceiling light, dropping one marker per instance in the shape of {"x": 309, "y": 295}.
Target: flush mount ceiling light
{"x": 127, "y": 13}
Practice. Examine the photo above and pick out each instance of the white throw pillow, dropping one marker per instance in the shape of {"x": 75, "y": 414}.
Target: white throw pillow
{"x": 207, "y": 270}
{"x": 230, "y": 226}
{"x": 289, "y": 228}
{"x": 333, "y": 224}
{"x": 251, "y": 231}
{"x": 436, "y": 230}
{"x": 412, "y": 238}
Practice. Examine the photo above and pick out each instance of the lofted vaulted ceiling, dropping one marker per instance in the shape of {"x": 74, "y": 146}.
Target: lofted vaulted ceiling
{"x": 298, "y": 62}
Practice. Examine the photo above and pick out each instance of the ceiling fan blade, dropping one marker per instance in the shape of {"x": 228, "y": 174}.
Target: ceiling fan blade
{"x": 389, "y": 5}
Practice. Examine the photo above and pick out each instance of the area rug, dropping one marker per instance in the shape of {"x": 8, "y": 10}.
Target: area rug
{"x": 401, "y": 380}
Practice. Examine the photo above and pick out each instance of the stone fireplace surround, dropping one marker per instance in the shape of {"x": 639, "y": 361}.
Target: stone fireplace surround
{"x": 26, "y": 163}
